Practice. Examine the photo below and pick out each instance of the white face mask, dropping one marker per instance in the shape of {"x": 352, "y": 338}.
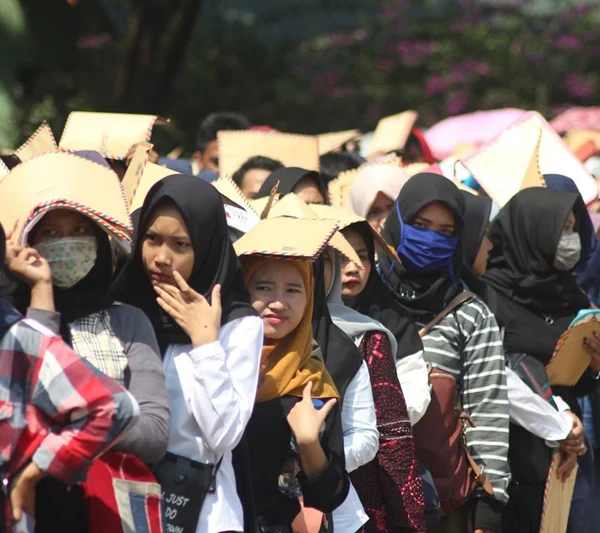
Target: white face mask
{"x": 70, "y": 259}
{"x": 568, "y": 251}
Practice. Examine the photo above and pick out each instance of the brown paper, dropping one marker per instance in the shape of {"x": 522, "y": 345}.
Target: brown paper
{"x": 329, "y": 142}
{"x": 41, "y": 142}
{"x": 557, "y": 499}
{"x": 273, "y": 198}
{"x": 151, "y": 175}
{"x": 575, "y": 139}
{"x": 339, "y": 187}
{"x": 392, "y": 133}
{"x": 236, "y": 147}
{"x": 292, "y": 206}
{"x": 533, "y": 175}
{"x": 570, "y": 358}
{"x": 65, "y": 179}
{"x": 111, "y": 134}
{"x": 287, "y": 237}
{"x": 499, "y": 166}
{"x": 135, "y": 170}
{"x": 259, "y": 205}
{"x": 346, "y": 218}
{"x": 230, "y": 190}
{"x": 415, "y": 168}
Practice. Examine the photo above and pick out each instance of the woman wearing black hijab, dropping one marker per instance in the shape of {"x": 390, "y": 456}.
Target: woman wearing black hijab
{"x": 537, "y": 243}
{"x": 307, "y": 184}
{"x": 376, "y": 301}
{"x": 476, "y": 245}
{"x": 425, "y": 228}
{"x": 186, "y": 276}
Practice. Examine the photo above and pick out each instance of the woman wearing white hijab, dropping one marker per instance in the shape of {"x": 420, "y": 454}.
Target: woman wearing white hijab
{"x": 374, "y": 191}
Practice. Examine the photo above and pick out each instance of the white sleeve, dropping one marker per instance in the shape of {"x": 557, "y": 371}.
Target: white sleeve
{"x": 225, "y": 377}
{"x": 414, "y": 379}
{"x": 533, "y": 413}
{"x": 359, "y": 422}
{"x": 561, "y": 404}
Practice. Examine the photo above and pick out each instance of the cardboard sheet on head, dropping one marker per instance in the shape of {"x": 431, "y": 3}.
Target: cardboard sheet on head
{"x": 41, "y": 141}
{"x": 111, "y": 134}
{"x": 292, "y": 206}
{"x": 499, "y": 167}
{"x": 62, "y": 179}
{"x": 329, "y": 142}
{"x": 236, "y": 147}
{"x": 287, "y": 237}
{"x": 392, "y": 133}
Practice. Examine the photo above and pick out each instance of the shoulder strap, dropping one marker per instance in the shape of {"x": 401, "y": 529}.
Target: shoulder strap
{"x": 458, "y": 300}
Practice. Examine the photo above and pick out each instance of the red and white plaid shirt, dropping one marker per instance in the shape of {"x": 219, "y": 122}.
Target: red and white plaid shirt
{"x": 55, "y": 408}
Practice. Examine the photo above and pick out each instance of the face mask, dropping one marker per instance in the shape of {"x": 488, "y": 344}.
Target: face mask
{"x": 425, "y": 250}
{"x": 568, "y": 251}
{"x": 70, "y": 259}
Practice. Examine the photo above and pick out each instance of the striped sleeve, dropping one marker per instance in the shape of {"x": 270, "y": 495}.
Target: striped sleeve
{"x": 468, "y": 344}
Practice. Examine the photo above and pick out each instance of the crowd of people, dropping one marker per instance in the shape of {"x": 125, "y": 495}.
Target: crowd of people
{"x": 375, "y": 361}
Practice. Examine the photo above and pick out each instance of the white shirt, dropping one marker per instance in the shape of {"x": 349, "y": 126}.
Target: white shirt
{"x": 361, "y": 443}
{"x": 413, "y": 376}
{"x": 528, "y": 410}
{"x": 211, "y": 393}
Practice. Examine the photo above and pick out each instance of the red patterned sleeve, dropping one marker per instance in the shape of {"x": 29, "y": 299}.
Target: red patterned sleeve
{"x": 399, "y": 477}
{"x": 90, "y": 410}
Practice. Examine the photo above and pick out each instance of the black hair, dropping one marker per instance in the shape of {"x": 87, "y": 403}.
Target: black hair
{"x": 255, "y": 162}
{"x": 216, "y": 122}
{"x": 333, "y": 163}
{"x": 11, "y": 161}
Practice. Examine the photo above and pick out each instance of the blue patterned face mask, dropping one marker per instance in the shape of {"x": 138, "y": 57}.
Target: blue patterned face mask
{"x": 425, "y": 250}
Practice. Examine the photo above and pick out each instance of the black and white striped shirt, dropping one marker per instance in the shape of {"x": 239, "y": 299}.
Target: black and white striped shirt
{"x": 468, "y": 344}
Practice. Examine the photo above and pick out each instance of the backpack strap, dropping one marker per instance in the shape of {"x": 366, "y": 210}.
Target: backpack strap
{"x": 457, "y": 301}
{"x": 480, "y": 478}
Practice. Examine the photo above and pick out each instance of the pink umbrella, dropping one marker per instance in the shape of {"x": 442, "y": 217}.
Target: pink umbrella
{"x": 577, "y": 118}
{"x": 477, "y": 129}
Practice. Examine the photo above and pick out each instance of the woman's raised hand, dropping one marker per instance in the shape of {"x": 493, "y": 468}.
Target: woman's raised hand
{"x": 305, "y": 421}
{"x": 28, "y": 265}
{"x": 199, "y": 319}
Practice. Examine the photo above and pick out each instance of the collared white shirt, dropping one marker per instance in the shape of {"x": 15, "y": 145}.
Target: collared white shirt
{"x": 361, "y": 444}
{"x": 530, "y": 411}
{"x": 413, "y": 376}
{"x": 211, "y": 393}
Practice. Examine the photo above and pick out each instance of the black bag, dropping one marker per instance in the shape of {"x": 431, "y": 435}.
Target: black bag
{"x": 528, "y": 455}
{"x": 185, "y": 484}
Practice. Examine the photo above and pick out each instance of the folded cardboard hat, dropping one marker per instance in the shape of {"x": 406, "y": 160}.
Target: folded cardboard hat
{"x": 392, "y": 133}
{"x": 329, "y": 142}
{"x": 292, "y": 206}
{"x": 41, "y": 141}
{"x": 151, "y": 176}
{"x": 111, "y": 134}
{"x": 570, "y": 359}
{"x": 346, "y": 218}
{"x": 62, "y": 180}
{"x": 236, "y": 147}
{"x": 238, "y": 212}
{"x": 499, "y": 166}
{"x": 287, "y": 237}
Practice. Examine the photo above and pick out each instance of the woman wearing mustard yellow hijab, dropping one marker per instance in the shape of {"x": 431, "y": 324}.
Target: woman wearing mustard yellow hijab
{"x": 296, "y": 412}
